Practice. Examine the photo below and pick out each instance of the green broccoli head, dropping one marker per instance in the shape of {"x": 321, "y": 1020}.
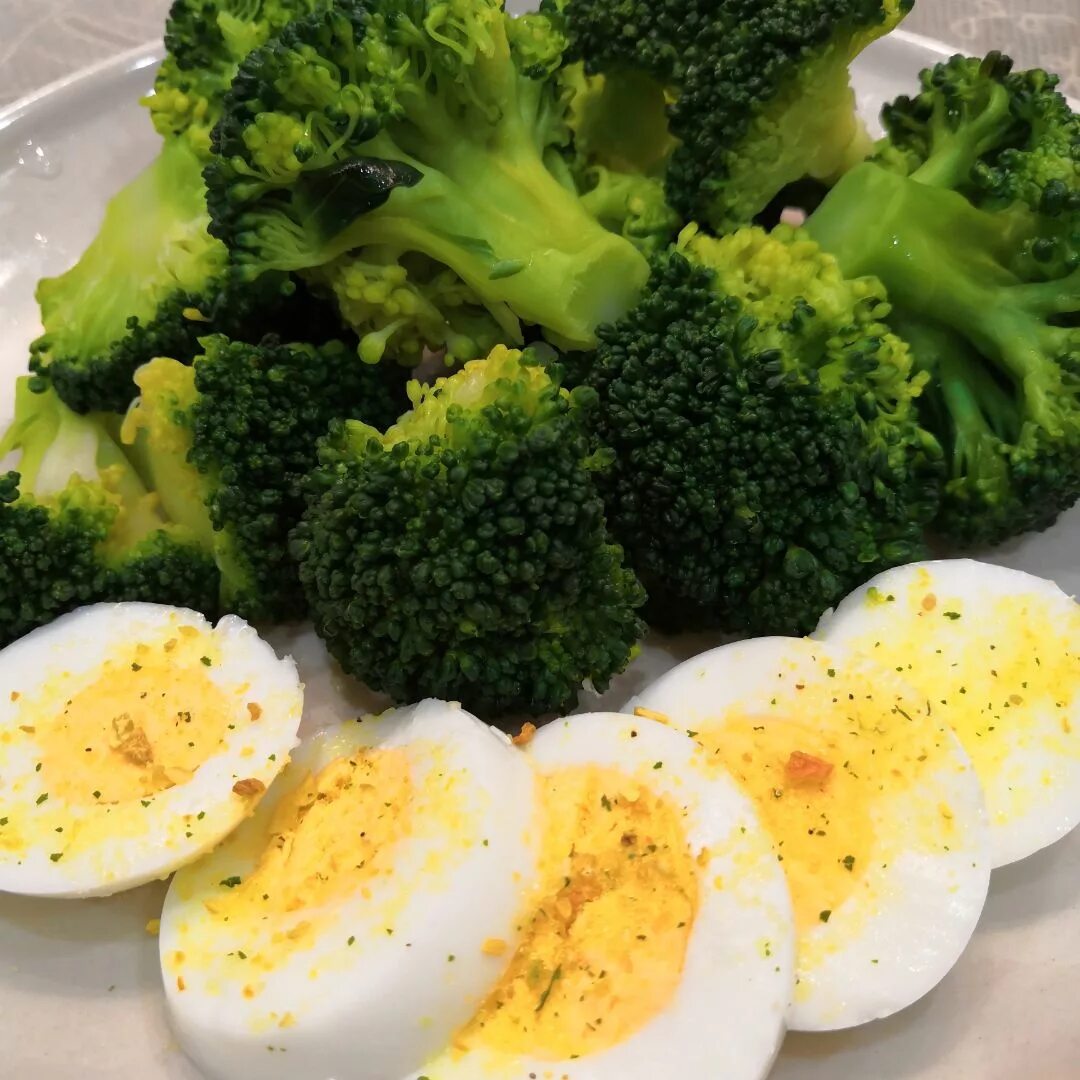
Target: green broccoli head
{"x": 756, "y": 92}
{"x": 78, "y": 527}
{"x": 768, "y": 457}
{"x": 619, "y": 150}
{"x": 400, "y": 304}
{"x": 205, "y": 40}
{"x": 422, "y": 128}
{"x": 464, "y": 553}
{"x": 995, "y": 135}
{"x": 227, "y": 442}
{"x": 144, "y": 287}
{"x": 151, "y": 283}
{"x": 970, "y": 215}
{"x": 634, "y": 206}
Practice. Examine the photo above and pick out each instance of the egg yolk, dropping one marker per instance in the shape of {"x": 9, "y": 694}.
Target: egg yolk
{"x": 603, "y": 944}
{"x": 334, "y": 836}
{"x": 1006, "y": 680}
{"x": 815, "y": 762}
{"x": 147, "y": 722}
{"x": 331, "y": 837}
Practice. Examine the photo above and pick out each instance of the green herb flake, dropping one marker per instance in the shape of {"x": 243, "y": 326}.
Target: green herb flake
{"x": 658, "y": 765}
{"x": 954, "y": 615}
{"x": 849, "y": 863}
{"x": 555, "y": 976}
{"x": 230, "y": 882}
{"x": 42, "y": 798}
{"x": 56, "y": 856}
{"x": 206, "y": 661}
{"x": 824, "y": 916}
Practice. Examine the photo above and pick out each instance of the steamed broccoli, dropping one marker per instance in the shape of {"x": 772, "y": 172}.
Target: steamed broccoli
{"x": 205, "y": 40}
{"x": 464, "y": 553}
{"x": 153, "y": 280}
{"x": 620, "y": 149}
{"x": 227, "y": 442}
{"x": 756, "y": 93}
{"x": 139, "y": 290}
{"x": 407, "y": 303}
{"x": 397, "y": 130}
{"x": 970, "y": 215}
{"x": 77, "y": 526}
{"x": 767, "y": 453}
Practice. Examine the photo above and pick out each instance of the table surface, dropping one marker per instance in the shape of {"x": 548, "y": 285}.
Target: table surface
{"x": 43, "y": 40}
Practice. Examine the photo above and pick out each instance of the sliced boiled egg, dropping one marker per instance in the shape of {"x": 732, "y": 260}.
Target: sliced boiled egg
{"x": 875, "y": 814}
{"x": 996, "y": 653}
{"x": 658, "y": 941}
{"x": 133, "y": 738}
{"x": 344, "y": 931}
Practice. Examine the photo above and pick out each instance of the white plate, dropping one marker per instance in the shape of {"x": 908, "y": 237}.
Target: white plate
{"x": 79, "y": 981}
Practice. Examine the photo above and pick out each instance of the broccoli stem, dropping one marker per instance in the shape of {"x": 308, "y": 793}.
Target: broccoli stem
{"x": 514, "y": 234}
{"x": 940, "y": 256}
{"x": 955, "y": 150}
{"x": 975, "y": 414}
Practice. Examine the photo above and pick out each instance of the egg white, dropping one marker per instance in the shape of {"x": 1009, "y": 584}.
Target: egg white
{"x": 898, "y": 935}
{"x": 727, "y": 1016}
{"x": 49, "y": 847}
{"x": 383, "y": 980}
{"x": 978, "y": 653}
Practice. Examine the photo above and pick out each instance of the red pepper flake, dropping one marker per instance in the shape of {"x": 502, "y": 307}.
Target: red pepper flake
{"x": 525, "y": 735}
{"x": 247, "y": 788}
{"x": 254, "y": 710}
{"x": 806, "y": 769}
{"x": 929, "y": 602}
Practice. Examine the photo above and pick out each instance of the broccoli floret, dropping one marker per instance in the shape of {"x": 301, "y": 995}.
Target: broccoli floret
{"x": 418, "y": 127}
{"x": 970, "y": 215}
{"x": 620, "y": 149}
{"x": 403, "y": 303}
{"x": 138, "y": 291}
{"x": 634, "y": 206}
{"x": 767, "y": 453}
{"x": 756, "y": 92}
{"x": 78, "y": 527}
{"x": 151, "y": 283}
{"x": 153, "y": 280}
{"x": 464, "y": 554}
{"x": 227, "y": 442}
{"x": 205, "y": 40}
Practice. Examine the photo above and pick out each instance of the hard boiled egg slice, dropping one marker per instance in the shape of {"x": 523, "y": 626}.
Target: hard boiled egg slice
{"x": 133, "y": 737}
{"x": 997, "y": 653}
{"x": 342, "y": 931}
{"x": 658, "y": 941}
{"x": 875, "y": 813}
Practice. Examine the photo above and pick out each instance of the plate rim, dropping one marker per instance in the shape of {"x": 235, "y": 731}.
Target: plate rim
{"x": 114, "y": 68}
